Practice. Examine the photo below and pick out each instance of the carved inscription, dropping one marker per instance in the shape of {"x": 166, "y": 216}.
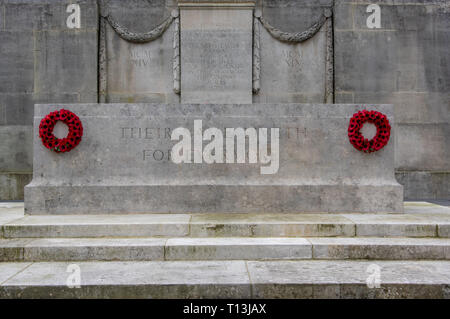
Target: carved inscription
{"x": 140, "y": 57}
{"x": 146, "y": 132}
{"x": 292, "y": 58}
{"x": 214, "y": 60}
{"x": 159, "y": 148}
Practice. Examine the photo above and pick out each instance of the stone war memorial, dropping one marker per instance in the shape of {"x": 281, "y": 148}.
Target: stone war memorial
{"x": 224, "y": 149}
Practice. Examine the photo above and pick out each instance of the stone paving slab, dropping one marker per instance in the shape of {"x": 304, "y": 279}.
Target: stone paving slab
{"x": 177, "y": 279}
{"x": 9, "y": 214}
{"x": 425, "y": 208}
{"x": 8, "y": 270}
{"x": 347, "y": 279}
{"x": 230, "y": 279}
{"x": 9, "y": 205}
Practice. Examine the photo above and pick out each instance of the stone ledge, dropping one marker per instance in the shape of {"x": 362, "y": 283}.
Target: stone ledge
{"x": 186, "y": 4}
{"x": 227, "y": 279}
{"x": 235, "y": 248}
{"x": 421, "y": 219}
{"x": 116, "y": 199}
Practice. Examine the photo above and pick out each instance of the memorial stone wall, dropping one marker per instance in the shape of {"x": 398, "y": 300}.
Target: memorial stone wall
{"x": 48, "y": 57}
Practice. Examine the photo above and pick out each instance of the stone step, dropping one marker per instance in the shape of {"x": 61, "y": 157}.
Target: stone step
{"x": 419, "y": 220}
{"x": 234, "y": 248}
{"x": 227, "y": 279}
{"x": 228, "y": 225}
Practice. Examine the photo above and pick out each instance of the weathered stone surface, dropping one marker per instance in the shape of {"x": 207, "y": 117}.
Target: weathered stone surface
{"x": 46, "y": 14}
{"x": 393, "y": 226}
{"x": 424, "y": 185}
{"x": 58, "y": 72}
{"x": 140, "y": 16}
{"x": 430, "y": 141}
{"x": 12, "y": 249}
{"x": 421, "y": 219}
{"x": 9, "y": 212}
{"x": 64, "y": 249}
{"x": 228, "y": 279}
{"x": 7, "y": 270}
{"x": 99, "y": 226}
{"x": 140, "y": 72}
{"x": 270, "y": 225}
{"x": 380, "y": 248}
{"x": 176, "y": 279}
{"x": 444, "y": 230}
{"x": 6, "y": 205}
{"x": 290, "y": 72}
{"x": 237, "y": 248}
{"x": 16, "y": 63}
{"x": 216, "y": 54}
{"x": 425, "y": 208}
{"x": 347, "y": 279}
{"x": 293, "y": 15}
{"x": 230, "y": 248}
{"x": 17, "y": 109}
{"x": 309, "y": 178}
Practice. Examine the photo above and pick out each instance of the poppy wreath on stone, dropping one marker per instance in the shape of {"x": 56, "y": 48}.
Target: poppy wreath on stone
{"x": 67, "y": 143}
{"x": 380, "y": 139}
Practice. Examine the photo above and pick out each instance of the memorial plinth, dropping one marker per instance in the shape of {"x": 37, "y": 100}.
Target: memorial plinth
{"x": 125, "y": 164}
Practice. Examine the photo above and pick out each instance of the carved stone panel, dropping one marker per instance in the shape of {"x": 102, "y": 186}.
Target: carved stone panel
{"x": 216, "y": 54}
{"x": 137, "y": 72}
{"x": 140, "y": 72}
{"x": 294, "y": 71}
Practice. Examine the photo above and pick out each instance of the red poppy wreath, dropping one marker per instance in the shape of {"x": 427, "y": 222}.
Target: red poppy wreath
{"x": 383, "y": 131}
{"x": 67, "y": 143}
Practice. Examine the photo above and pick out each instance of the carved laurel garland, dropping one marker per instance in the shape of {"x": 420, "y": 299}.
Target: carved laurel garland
{"x": 176, "y": 53}
{"x": 329, "y": 82}
{"x": 135, "y": 37}
{"x": 296, "y": 37}
{"x": 127, "y": 35}
{"x": 102, "y": 63}
{"x": 256, "y": 55}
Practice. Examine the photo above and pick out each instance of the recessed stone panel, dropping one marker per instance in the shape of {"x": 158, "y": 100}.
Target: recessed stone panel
{"x": 216, "y": 55}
